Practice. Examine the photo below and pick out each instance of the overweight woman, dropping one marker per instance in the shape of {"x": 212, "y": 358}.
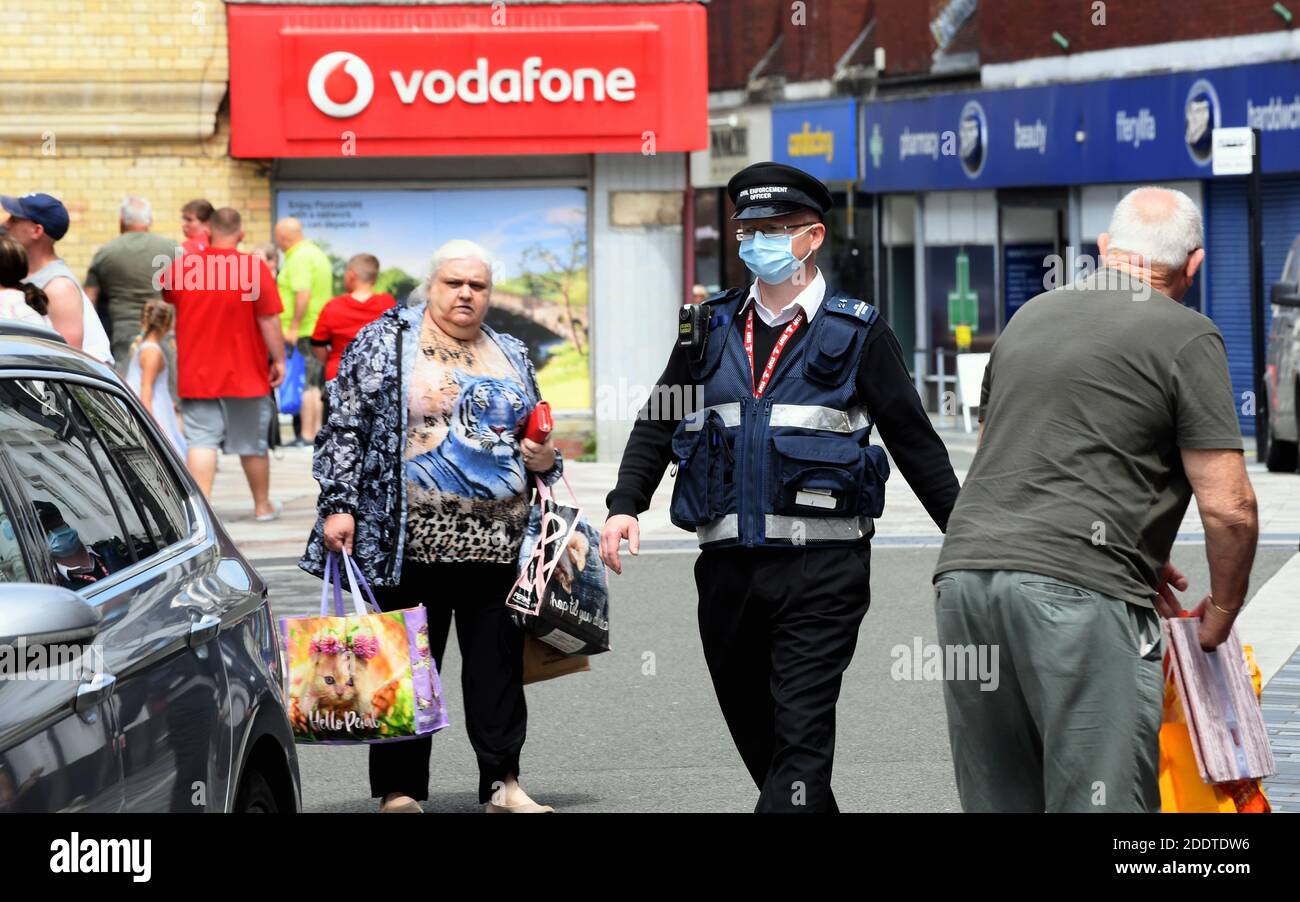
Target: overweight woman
{"x": 424, "y": 480}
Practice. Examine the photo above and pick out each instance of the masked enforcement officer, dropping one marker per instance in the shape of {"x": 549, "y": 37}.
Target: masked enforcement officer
{"x": 777, "y": 478}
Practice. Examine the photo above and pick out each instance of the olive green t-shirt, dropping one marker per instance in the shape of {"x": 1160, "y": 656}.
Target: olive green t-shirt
{"x": 1088, "y": 398}
{"x": 124, "y": 271}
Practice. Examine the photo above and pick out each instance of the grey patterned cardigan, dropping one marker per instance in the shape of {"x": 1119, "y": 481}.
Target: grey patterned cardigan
{"x": 361, "y": 449}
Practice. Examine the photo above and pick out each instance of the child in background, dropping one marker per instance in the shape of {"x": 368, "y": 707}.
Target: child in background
{"x": 344, "y": 316}
{"x": 20, "y": 300}
{"x": 147, "y": 371}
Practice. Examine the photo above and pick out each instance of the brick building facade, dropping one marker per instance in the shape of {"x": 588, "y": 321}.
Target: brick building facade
{"x": 1020, "y": 29}
{"x": 123, "y": 98}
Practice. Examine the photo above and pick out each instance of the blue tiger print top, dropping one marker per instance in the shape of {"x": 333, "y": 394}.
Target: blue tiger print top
{"x": 466, "y": 484}
{"x": 362, "y": 452}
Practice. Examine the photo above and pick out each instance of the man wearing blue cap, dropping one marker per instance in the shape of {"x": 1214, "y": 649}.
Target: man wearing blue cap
{"x": 36, "y": 221}
{"x": 778, "y": 479}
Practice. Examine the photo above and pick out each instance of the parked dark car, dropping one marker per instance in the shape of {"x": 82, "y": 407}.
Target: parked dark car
{"x": 117, "y": 580}
{"x": 1283, "y": 368}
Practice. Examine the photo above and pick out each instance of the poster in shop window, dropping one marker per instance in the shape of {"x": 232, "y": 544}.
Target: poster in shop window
{"x": 1026, "y": 273}
{"x": 959, "y": 285}
{"x": 537, "y": 236}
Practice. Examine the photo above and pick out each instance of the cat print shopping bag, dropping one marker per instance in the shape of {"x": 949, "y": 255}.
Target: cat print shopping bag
{"x": 362, "y": 677}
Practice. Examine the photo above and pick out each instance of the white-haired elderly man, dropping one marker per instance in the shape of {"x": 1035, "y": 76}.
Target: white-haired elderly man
{"x": 123, "y": 275}
{"x": 424, "y": 479}
{"x": 1106, "y": 406}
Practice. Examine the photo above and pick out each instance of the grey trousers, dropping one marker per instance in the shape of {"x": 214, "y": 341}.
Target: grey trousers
{"x": 1072, "y": 720}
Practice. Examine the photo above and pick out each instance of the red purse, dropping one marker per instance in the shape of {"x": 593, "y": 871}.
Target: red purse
{"x": 540, "y": 423}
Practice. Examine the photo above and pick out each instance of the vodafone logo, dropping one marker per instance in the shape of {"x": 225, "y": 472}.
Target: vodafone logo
{"x": 484, "y": 83}
{"x": 340, "y": 84}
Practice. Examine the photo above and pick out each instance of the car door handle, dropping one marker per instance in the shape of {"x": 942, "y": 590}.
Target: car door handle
{"x": 93, "y": 692}
{"x": 204, "y": 629}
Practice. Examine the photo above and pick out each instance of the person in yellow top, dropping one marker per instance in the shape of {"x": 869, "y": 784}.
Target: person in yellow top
{"x": 306, "y": 283}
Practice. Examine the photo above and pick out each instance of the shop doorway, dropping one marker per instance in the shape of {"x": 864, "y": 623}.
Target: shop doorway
{"x": 846, "y": 260}
{"x": 896, "y": 285}
{"x": 1033, "y": 235}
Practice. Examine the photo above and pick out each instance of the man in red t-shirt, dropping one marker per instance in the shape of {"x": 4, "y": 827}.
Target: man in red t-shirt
{"x": 227, "y": 327}
{"x": 195, "y": 219}
{"x": 344, "y": 316}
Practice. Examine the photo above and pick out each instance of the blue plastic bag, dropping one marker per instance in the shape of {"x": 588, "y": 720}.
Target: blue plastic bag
{"x": 295, "y": 380}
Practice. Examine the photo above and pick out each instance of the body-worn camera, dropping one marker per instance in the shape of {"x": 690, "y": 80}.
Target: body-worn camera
{"x": 693, "y": 329}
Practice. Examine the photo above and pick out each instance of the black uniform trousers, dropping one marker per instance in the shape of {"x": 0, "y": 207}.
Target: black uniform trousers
{"x": 779, "y": 627}
{"x": 492, "y": 668}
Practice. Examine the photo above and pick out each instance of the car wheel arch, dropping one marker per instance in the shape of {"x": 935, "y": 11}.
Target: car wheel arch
{"x": 263, "y": 750}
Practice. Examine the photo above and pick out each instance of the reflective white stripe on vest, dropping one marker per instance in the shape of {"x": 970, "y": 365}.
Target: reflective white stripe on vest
{"x": 816, "y": 529}
{"x": 801, "y": 416}
{"x": 727, "y": 527}
{"x": 827, "y": 419}
{"x": 730, "y": 413}
{"x": 796, "y": 529}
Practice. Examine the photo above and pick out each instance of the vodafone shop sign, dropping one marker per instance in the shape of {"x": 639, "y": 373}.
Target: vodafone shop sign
{"x": 517, "y": 79}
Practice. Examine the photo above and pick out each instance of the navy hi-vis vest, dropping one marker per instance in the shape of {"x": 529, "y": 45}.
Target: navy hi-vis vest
{"x": 795, "y": 467}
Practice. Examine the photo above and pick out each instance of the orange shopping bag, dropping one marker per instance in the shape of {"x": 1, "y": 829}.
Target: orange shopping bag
{"x": 1181, "y": 786}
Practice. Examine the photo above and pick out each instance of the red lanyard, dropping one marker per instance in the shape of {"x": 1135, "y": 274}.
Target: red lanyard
{"x": 776, "y": 351}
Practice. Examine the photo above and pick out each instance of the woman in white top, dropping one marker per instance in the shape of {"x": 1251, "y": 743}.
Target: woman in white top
{"x": 147, "y": 371}
{"x": 19, "y": 300}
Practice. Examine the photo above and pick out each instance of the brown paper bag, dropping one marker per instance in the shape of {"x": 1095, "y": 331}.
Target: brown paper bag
{"x": 542, "y": 662}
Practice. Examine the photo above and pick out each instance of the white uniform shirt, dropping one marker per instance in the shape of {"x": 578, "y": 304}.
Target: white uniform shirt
{"x": 810, "y": 299}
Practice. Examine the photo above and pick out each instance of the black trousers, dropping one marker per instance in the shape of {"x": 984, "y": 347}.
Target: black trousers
{"x": 779, "y": 627}
{"x": 491, "y": 648}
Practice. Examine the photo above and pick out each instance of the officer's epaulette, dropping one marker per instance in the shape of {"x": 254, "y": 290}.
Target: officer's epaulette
{"x": 723, "y": 304}
{"x": 722, "y": 297}
{"x": 853, "y": 309}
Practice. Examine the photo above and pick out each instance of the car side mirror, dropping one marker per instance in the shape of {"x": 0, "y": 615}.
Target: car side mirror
{"x": 38, "y": 614}
{"x": 1286, "y": 294}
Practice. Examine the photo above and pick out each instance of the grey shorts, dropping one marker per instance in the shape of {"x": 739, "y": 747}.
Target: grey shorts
{"x": 233, "y": 425}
